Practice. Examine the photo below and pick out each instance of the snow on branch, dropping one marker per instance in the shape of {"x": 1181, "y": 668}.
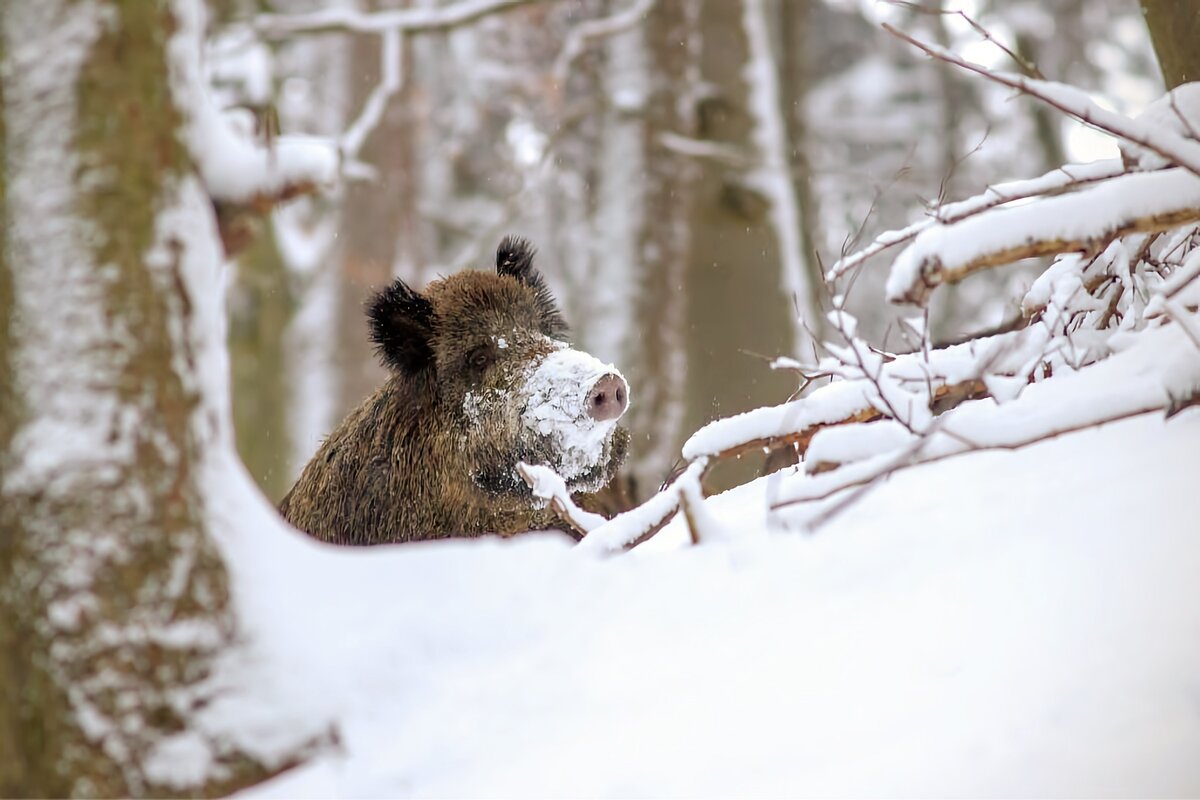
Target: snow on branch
{"x": 548, "y": 485}
{"x": 239, "y": 172}
{"x": 1065, "y": 178}
{"x": 1148, "y": 376}
{"x": 946, "y": 376}
{"x": 1085, "y": 221}
{"x": 1058, "y": 180}
{"x": 410, "y": 20}
{"x": 639, "y": 524}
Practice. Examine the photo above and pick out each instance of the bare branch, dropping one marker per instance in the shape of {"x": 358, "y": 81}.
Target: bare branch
{"x": 1175, "y": 148}
{"x": 410, "y": 20}
{"x": 391, "y": 67}
{"x": 585, "y": 33}
{"x": 1028, "y": 67}
{"x": 546, "y": 484}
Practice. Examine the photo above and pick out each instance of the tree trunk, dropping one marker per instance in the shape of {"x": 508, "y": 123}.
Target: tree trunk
{"x": 657, "y": 363}
{"x": 379, "y": 229}
{"x": 737, "y": 310}
{"x": 262, "y": 308}
{"x": 114, "y": 598}
{"x": 795, "y": 79}
{"x": 1175, "y": 29}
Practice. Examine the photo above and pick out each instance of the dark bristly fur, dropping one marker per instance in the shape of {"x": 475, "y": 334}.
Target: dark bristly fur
{"x": 514, "y": 257}
{"x": 401, "y": 325}
{"x": 410, "y": 462}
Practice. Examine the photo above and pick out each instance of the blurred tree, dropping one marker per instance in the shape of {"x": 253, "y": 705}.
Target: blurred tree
{"x": 1175, "y": 28}
{"x": 738, "y": 311}
{"x": 261, "y": 307}
{"x": 379, "y": 225}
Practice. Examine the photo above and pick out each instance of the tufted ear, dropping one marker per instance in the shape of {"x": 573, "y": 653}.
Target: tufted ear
{"x": 401, "y": 322}
{"x": 514, "y": 257}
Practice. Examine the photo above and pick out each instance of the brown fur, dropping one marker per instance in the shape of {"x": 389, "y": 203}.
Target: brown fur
{"x": 410, "y": 462}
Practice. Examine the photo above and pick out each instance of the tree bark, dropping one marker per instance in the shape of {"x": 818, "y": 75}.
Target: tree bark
{"x": 1175, "y": 29}
{"x": 114, "y": 598}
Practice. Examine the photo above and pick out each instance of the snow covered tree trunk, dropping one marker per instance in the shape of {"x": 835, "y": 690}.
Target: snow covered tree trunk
{"x": 114, "y": 423}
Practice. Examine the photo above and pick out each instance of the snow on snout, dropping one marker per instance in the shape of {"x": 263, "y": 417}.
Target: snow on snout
{"x": 556, "y": 407}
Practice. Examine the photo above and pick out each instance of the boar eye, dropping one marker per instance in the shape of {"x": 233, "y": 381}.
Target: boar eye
{"x": 481, "y": 358}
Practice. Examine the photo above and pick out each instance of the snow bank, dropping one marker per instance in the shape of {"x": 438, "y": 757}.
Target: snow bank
{"x": 952, "y": 634}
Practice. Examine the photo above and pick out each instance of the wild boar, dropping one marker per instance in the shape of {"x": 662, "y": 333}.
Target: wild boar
{"x": 481, "y": 377}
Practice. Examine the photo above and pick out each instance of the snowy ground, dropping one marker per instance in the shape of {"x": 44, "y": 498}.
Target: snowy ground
{"x": 1002, "y": 623}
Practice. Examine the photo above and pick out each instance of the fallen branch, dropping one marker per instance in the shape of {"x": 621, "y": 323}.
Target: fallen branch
{"x": 945, "y": 397}
{"x": 638, "y": 524}
{"x": 913, "y": 456}
{"x": 547, "y": 484}
{"x": 1055, "y": 411}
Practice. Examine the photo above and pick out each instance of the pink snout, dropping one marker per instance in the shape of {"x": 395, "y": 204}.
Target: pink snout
{"x": 608, "y": 398}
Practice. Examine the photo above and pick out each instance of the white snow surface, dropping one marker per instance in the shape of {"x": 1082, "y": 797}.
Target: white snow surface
{"x": 1007, "y": 623}
{"x": 1011, "y": 622}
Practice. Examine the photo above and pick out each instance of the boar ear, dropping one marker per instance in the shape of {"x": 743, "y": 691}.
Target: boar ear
{"x": 514, "y": 257}
{"x": 401, "y": 327}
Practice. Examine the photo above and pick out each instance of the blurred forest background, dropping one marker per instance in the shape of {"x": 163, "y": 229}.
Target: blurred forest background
{"x": 685, "y": 168}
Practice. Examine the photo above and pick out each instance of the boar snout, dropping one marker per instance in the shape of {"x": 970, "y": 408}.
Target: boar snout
{"x": 608, "y": 398}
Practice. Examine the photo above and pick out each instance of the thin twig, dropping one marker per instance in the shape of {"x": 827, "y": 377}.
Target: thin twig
{"x": 1171, "y": 146}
